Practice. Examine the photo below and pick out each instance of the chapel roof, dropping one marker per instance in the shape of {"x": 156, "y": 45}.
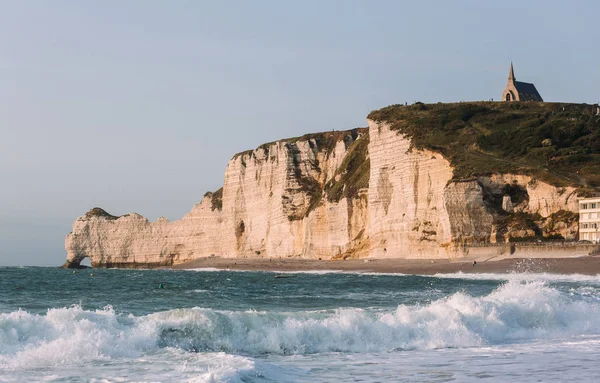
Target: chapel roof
{"x": 527, "y": 91}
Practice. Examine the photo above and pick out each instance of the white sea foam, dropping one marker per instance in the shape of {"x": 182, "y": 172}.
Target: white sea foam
{"x": 74, "y": 339}
{"x": 516, "y": 311}
{"x": 206, "y": 269}
{"x": 547, "y": 277}
{"x": 212, "y": 269}
{"x": 569, "y": 361}
{"x": 349, "y": 272}
{"x": 317, "y": 272}
{"x": 219, "y": 367}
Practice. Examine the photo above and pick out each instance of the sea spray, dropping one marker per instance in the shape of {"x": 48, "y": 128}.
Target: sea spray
{"x": 523, "y": 277}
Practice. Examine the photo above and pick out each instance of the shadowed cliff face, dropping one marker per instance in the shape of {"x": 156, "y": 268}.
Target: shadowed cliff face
{"x": 361, "y": 193}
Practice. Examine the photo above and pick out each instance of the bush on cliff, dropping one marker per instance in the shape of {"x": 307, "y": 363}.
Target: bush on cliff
{"x": 99, "y": 212}
{"x": 216, "y": 199}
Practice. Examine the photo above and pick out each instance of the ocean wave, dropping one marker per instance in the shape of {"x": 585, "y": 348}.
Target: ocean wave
{"x": 317, "y": 272}
{"x": 206, "y": 269}
{"x": 546, "y": 277}
{"x": 516, "y": 311}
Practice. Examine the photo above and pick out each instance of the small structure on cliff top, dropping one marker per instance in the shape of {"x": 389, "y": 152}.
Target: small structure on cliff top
{"x": 589, "y": 219}
{"x": 519, "y": 91}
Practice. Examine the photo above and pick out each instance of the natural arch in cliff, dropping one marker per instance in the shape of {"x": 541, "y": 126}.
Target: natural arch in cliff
{"x": 78, "y": 263}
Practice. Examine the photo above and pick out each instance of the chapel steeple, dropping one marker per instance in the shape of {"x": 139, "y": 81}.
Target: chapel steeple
{"x": 511, "y": 74}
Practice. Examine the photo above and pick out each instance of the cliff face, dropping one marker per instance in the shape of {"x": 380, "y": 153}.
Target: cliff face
{"x": 417, "y": 209}
{"x": 131, "y": 240}
{"x": 274, "y": 202}
{"x": 407, "y": 208}
{"x": 360, "y": 193}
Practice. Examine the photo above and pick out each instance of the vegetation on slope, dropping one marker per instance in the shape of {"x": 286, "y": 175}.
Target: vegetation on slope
{"x": 555, "y": 142}
{"x": 526, "y": 227}
{"x": 308, "y": 184}
{"x": 353, "y": 174}
{"x": 216, "y": 199}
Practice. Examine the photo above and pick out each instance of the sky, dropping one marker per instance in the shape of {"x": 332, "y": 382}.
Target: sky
{"x": 137, "y": 106}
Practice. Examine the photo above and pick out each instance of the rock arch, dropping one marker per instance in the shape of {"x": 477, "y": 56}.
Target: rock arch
{"x": 75, "y": 262}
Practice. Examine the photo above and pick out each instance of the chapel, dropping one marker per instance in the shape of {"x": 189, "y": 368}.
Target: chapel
{"x": 519, "y": 91}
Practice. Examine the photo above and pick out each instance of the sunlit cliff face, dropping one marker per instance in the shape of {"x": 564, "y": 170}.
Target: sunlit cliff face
{"x": 361, "y": 193}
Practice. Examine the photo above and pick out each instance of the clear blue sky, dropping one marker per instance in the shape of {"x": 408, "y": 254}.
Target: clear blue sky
{"x": 138, "y": 105}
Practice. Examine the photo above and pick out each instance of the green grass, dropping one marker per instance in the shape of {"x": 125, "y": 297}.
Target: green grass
{"x": 554, "y": 142}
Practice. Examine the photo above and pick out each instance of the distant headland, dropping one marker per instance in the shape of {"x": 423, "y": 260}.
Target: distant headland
{"x": 424, "y": 181}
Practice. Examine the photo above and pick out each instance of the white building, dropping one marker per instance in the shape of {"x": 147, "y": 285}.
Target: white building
{"x": 589, "y": 219}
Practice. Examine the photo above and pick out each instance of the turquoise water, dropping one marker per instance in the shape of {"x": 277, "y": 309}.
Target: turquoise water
{"x": 213, "y": 326}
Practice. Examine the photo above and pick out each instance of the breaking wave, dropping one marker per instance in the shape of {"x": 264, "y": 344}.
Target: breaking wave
{"x": 516, "y": 311}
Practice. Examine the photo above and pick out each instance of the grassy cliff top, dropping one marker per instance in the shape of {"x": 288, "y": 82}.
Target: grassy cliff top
{"x": 555, "y": 142}
{"x": 99, "y": 212}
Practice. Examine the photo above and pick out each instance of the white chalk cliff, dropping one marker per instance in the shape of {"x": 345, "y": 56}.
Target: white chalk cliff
{"x": 360, "y": 193}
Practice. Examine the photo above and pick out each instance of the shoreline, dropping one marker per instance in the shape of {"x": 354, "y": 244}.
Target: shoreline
{"x": 586, "y": 265}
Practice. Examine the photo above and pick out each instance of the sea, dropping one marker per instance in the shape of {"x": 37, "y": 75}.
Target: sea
{"x": 205, "y": 325}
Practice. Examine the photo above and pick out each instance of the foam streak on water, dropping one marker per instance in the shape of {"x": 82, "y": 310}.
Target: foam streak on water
{"x": 227, "y": 327}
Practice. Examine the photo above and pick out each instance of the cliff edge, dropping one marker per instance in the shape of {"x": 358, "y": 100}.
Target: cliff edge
{"x": 423, "y": 181}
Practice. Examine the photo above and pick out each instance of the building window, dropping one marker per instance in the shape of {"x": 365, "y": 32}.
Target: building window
{"x": 593, "y": 206}
{"x": 583, "y": 206}
{"x": 508, "y": 96}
